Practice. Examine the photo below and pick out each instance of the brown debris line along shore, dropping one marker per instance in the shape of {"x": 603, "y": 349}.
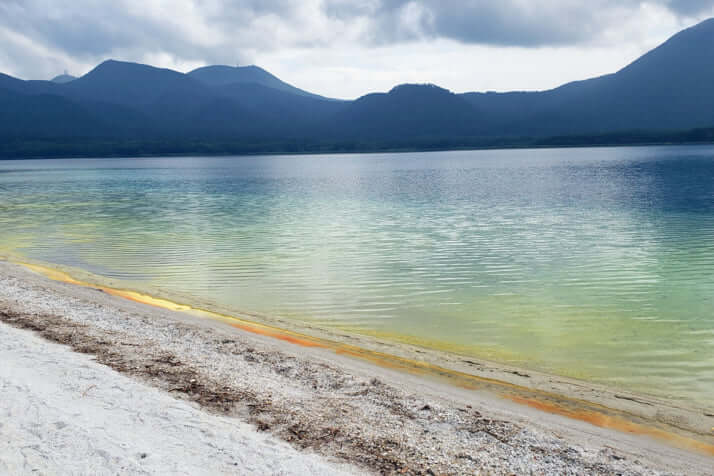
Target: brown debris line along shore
{"x": 307, "y": 402}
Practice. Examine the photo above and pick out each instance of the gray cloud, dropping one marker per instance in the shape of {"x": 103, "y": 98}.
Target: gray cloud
{"x": 83, "y": 32}
{"x": 508, "y": 22}
{"x": 86, "y": 30}
{"x": 690, "y": 7}
{"x": 475, "y": 21}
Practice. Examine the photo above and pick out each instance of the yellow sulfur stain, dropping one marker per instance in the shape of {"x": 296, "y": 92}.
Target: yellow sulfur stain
{"x": 53, "y": 274}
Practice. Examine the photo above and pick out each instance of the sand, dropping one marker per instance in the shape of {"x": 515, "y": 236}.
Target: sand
{"x": 63, "y": 413}
{"x": 138, "y": 374}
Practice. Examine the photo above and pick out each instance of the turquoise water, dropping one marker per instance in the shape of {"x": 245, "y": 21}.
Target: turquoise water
{"x": 594, "y": 263}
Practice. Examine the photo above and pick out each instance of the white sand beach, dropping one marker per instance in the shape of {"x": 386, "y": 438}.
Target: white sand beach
{"x": 63, "y": 413}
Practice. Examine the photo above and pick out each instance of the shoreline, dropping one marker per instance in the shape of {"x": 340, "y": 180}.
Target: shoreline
{"x": 634, "y": 421}
{"x": 368, "y": 151}
{"x": 606, "y": 406}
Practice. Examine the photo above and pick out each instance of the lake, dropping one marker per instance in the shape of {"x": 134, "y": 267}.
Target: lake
{"x": 591, "y": 263}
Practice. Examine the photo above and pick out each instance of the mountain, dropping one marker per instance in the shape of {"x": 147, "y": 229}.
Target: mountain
{"x": 141, "y": 101}
{"x": 294, "y": 114}
{"x": 226, "y": 75}
{"x": 168, "y": 104}
{"x": 665, "y": 94}
{"x": 63, "y": 79}
{"x": 668, "y": 88}
{"x": 46, "y": 116}
{"x": 11, "y": 84}
{"x": 133, "y": 84}
{"x": 408, "y": 110}
{"x": 26, "y": 87}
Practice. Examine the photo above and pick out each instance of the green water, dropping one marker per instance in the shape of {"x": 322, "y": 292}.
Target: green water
{"x": 593, "y": 263}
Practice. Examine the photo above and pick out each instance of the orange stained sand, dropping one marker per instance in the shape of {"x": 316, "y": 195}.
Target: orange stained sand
{"x": 576, "y": 409}
{"x": 303, "y": 341}
{"x": 615, "y": 423}
{"x": 568, "y": 407}
{"x": 378, "y": 359}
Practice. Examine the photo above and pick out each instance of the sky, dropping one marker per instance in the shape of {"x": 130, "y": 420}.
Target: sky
{"x": 345, "y": 49}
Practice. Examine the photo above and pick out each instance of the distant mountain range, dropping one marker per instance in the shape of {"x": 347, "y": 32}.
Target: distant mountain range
{"x": 127, "y": 108}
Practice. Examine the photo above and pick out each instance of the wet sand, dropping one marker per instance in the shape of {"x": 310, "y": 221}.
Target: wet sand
{"x": 383, "y": 407}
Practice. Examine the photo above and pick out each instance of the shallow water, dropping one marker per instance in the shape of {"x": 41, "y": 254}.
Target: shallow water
{"x": 593, "y": 263}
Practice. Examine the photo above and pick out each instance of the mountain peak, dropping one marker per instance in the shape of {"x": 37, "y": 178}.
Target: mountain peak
{"x": 112, "y": 66}
{"x": 688, "y": 51}
{"x": 225, "y": 67}
{"x": 222, "y": 75}
{"x": 63, "y": 79}
{"x": 412, "y": 88}
{"x": 133, "y": 83}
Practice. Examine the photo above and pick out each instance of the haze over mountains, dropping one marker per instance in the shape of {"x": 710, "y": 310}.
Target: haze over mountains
{"x": 669, "y": 88}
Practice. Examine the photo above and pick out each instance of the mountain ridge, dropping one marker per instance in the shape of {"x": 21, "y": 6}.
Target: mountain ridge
{"x": 221, "y": 75}
{"x": 666, "y": 89}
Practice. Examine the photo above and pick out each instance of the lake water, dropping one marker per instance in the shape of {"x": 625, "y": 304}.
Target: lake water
{"x": 592, "y": 263}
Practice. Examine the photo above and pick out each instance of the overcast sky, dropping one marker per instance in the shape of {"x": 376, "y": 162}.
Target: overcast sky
{"x": 345, "y": 48}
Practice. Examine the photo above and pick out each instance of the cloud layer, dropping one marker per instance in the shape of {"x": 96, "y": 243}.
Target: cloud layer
{"x": 42, "y": 37}
{"x": 513, "y": 22}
